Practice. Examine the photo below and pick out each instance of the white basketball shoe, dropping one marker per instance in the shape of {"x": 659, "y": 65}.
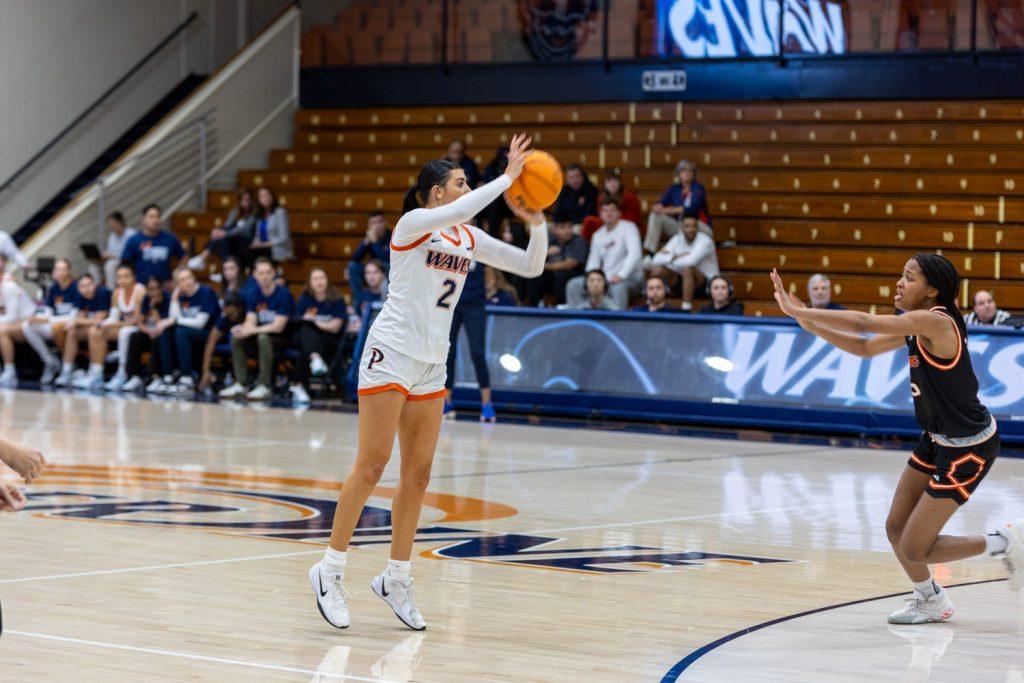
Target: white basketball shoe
{"x": 399, "y": 595}
{"x": 1013, "y": 556}
{"x": 922, "y": 610}
{"x": 330, "y": 596}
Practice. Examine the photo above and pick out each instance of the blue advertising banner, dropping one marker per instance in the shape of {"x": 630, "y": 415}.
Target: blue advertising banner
{"x": 750, "y": 28}
{"x": 720, "y": 370}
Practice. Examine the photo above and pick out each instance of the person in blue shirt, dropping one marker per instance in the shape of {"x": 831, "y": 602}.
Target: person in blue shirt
{"x": 685, "y": 196}
{"x": 156, "y": 308}
{"x": 375, "y": 245}
{"x": 471, "y": 313}
{"x": 151, "y": 250}
{"x": 319, "y": 315}
{"x": 819, "y": 291}
{"x": 94, "y": 306}
{"x": 194, "y": 310}
{"x": 656, "y": 292}
{"x": 268, "y": 312}
{"x": 497, "y": 289}
{"x": 232, "y": 314}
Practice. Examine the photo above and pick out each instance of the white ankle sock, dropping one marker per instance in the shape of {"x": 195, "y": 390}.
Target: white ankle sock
{"x": 8, "y": 371}
{"x": 687, "y": 306}
{"x": 995, "y": 544}
{"x": 67, "y": 367}
{"x": 334, "y": 561}
{"x": 399, "y": 570}
{"x": 96, "y": 369}
{"x": 927, "y": 588}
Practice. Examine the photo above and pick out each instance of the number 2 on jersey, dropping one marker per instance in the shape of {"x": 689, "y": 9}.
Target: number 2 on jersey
{"x": 449, "y": 289}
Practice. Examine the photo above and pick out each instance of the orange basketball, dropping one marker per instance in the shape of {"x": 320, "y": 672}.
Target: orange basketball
{"x": 538, "y": 185}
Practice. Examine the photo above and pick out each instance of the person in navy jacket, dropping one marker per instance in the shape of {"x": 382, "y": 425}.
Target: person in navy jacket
{"x": 319, "y": 317}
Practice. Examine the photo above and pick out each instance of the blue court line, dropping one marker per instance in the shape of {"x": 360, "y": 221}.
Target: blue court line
{"x": 682, "y": 665}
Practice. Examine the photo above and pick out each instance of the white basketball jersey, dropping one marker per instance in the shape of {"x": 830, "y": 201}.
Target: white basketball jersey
{"x": 15, "y": 302}
{"x": 425, "y": 283}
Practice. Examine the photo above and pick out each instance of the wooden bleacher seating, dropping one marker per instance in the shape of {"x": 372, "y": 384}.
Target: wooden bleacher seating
{"x": 852, "y": 189}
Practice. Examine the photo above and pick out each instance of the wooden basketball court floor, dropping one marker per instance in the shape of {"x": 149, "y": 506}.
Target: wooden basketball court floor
{"x": 170, "y": 541}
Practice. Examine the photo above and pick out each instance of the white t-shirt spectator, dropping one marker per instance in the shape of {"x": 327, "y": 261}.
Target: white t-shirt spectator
{"x": 115, "y": 242}
{"x": 678, "y": 254}
{"x": 15, "y": 303}
{"x": 616, "y": 251}
{"x": 15, "y": 257}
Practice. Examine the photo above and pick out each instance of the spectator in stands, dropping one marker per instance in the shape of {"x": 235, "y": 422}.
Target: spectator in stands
{"x": 232, "y": 314}
{"x": 471, "y": 314}
{"x": 272, "y": 237}
{"x": 235, "y": 279}
{"x": 615, "y": 249}
{"x": 985, "y": 311}
{"x": 119, "y": 235}
{"x": 375, "y": 286}
{"x": 497, "y": 289}
{"x": 685, "y": 195}
{"x": 151, "y": 251}
{"x": 566, "y": 257}
{"x": 121, "y": 322}
{"x": 722, "y": 298}
{"x": 597, "y": 298}
{"x": 155, "y": 319}
{"x": 194, "y": 310}
{"x": 577, "y": 200}
{"x": 376, "y": 245}
{"x": 457, "y": 153}
{"x": 94, "y": 306}
{"x": 819, "y": 291}
{"x": 234, "y": 238}
{"x": 657, "y": 291}
{"x": 59, "y": 309}
{"x": 497, "y": 212}
{"x": 320, "y": 315}
{"x": 16, "y": 308}
{"x": 14, "y": 258}
{"x": 628, "y": 201}
{"x": 689, "y": 255}
{"x": 267, "y": 313}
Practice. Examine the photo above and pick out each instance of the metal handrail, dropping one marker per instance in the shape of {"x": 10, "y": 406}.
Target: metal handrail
{"x": 202, "y": 121}
{"x": 100, "y": 100}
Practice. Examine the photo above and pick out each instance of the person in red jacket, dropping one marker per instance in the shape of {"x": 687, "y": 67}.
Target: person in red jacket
{"x": 628, "y": 201}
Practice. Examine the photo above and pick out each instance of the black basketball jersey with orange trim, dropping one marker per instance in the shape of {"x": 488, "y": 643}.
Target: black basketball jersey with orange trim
{"x": 945, "y": 391}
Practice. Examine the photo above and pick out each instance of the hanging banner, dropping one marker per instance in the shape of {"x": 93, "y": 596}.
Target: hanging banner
{"x": 750, "y": 28}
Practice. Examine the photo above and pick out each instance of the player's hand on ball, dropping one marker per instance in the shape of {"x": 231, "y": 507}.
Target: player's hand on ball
{"x": 12, "y": 498}
{"x": 524, "y": 214}
{"x": 27, "y": 462}
{"x": 518, "y": 150}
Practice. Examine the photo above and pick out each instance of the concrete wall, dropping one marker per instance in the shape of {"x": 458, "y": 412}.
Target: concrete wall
{"x": 59, "y": 55}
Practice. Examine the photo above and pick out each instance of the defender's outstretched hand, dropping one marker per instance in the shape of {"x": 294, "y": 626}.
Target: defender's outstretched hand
{"x": 11, "y": 497}
{"x": 26, "y": 461}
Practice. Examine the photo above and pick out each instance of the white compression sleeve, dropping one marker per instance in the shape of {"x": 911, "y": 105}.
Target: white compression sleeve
{"x": 419, "y": 222}
{"x": 528, "y": 263}
{"x": 123, "y": 337}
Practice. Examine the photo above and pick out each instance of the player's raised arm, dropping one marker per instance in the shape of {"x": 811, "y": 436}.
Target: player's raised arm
{"x": 856, "y": 344}
{"x": 432, "y": 184}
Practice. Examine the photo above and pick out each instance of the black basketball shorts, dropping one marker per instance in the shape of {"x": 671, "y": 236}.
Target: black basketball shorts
{"x": 954, "y": 472}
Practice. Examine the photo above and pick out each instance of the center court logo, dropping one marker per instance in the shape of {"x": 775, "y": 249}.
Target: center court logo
{"x": 256, "y": 506}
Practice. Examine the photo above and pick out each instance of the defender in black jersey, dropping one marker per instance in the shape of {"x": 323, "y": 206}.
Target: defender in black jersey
{"x": 960, "y": 441}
